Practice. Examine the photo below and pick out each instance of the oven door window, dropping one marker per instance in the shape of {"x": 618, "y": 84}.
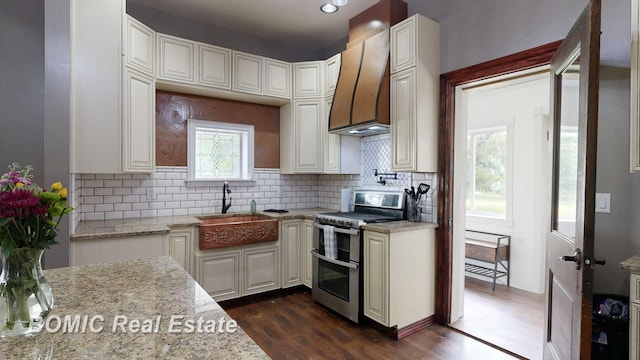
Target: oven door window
{"x": 343, "y": 243}
{"x": 334, "y": 279}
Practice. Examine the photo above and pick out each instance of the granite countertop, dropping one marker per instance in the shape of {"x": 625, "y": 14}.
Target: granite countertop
{"x": 96, "y": 229}
{"x": 157, "y": 291}
{"x": 399, "y": 226}
{"x": 632, "y": 264}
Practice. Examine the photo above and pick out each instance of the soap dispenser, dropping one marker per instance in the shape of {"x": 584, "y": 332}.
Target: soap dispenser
{"x": 253, "y": 206}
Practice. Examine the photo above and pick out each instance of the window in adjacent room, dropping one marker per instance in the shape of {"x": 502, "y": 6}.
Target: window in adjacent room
{"x": 219, "y": 151}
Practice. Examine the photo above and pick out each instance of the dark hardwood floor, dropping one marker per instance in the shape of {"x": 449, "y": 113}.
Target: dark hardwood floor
{"x": 509, "y": 318}
{"x": 294, "y": 327}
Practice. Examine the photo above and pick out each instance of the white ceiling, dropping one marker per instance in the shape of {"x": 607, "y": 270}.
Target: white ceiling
{"x": 296, "y": 22}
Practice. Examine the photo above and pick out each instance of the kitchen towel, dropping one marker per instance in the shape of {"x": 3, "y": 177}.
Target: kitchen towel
{"x": 345, "y": 200}
{"x": 330, "y": 246}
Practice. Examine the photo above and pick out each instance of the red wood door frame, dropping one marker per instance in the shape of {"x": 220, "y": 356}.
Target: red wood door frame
{"x": 524, "y": 60}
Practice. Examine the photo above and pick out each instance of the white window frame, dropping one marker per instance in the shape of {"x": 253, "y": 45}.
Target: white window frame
{"x": 247, "y": 152}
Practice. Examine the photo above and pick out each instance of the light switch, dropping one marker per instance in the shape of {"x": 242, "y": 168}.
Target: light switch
{"x": 603, "y": 202}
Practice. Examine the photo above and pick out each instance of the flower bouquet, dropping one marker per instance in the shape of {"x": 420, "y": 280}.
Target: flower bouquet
{"x": 29, "y": 218}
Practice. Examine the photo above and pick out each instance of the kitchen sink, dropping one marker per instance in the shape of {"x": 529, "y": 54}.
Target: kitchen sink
{"x": 220, "y": 231}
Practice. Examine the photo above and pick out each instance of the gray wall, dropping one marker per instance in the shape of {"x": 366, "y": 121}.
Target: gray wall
{"x": 476, "y": 31}
{"x": 34, "y": 96}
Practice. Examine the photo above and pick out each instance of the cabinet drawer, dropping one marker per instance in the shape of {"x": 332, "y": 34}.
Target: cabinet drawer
{"x": 634, "y": 292}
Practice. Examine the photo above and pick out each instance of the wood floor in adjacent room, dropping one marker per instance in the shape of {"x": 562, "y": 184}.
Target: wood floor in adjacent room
{"x": 509, "y": 318}
{"x": 294, "y": 327}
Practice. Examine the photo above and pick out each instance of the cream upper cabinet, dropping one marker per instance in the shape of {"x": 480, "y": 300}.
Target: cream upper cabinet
{"x": 331, "y": 144}
{"x": 307, "y": 79}
{"x": 277, "y": 78}
{"x": 301, "y": 139}
{"x": 139, "y": 46}
{"x": 292, "y": 247}
{"x": 393, "y": 265}
{"x": 96, "y": 111}
{"x": 414, "y": 95}
{"x": 332, "y": 66}
{"x": 213, "y": 66}
{"x": 138, "y": 120}
{"x": 247, "y": 73}
{"x": 175, "y": 59}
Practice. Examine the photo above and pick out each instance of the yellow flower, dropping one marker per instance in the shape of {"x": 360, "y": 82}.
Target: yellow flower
{"x": 56, "y": 186}
{"x": 63, "y": 193}
{"x": 19, "y": 185}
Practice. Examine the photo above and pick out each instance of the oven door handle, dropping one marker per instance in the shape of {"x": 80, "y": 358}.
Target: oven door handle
{"x": 339, "y": 230}
{"x": 315, "y": 253}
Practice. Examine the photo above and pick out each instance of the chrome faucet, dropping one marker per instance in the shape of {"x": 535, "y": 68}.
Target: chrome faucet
{"x": 225, "y": 191}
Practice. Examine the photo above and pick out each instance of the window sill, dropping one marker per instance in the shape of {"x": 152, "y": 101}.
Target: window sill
{"x": 212, "y": 183}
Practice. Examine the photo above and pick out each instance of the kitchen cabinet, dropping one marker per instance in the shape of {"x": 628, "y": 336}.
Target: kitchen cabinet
{"x": 634, "y": 316}
{"x": 96, "y": 86}
{"x": 139, "y": 126}
{"x": 308, "y": 79}
{"x": 175, "y": 59}
{"x": 277, "y": 78}
{"x": 213, "y": 66}
{"x": 247, "y": 73}
{"x": 301, "y": 136}
{"x": 341, "y": 153}
{"x": 415, "y": 44}
{"x": 139, "y": 46}
{"x": 292, "y": 252}
{"x": 399, "y": 277}
{"x": 101, "y": 250}
{"x": 246, "y": 270}
{"x": 179, "y": 243}
{"x": 307, "y": 261}
{"x": 332, "y": 71}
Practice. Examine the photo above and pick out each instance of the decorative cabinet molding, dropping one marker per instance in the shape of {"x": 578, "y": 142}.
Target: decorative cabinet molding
{"x": 307, "y": 264}
{"x": 277, "y": 78}
{"x": 307, "y": 79}
{"x": 261, "y": 269}
{"x": 175, "y": 59}
{"x": 331, "y": 74}
{"x": 247, "y": 73}
{"x": 219, "y": 274}
{"x": 179, "y": 244}
{"x": 415, "y": 44}
{"x": 292, "y": 247}
{"x": 139, "y": 46}
{"x": 139, "y": 126}
{"x": 213, "y": 66}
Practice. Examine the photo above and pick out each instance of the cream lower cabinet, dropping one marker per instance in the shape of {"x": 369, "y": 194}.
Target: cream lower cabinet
{"x": 101, "y": 250}
{"x": 307, "y": 240}
{"x": 228, "y": 274}
{"x": 292, "y": 248}
{"x": 399, "y": 277}
{"x": 179, "y": 243}
{"x": 634, "y": 323}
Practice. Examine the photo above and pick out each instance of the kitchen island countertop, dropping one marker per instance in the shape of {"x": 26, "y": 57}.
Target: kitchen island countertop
{"x": 632, "y": 264}
{"x": 156, "y": 292}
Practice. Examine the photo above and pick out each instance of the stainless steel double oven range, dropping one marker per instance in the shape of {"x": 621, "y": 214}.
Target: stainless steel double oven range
{"x": 338, "y": 249}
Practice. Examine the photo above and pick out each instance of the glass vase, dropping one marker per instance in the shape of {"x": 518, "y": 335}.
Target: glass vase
{"x": 26, "y": 298}
{"x": 414, "y": 212}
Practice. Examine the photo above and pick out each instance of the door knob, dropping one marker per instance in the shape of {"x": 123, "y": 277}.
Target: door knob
{"x": 576, "y": 258}
{"x": 587, "y": 261}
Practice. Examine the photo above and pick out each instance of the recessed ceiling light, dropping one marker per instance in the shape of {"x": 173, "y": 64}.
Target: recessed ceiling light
{"x": 353, "y": 131}
{"x": 328, "y": 8}
{"x": 339, "y": 2}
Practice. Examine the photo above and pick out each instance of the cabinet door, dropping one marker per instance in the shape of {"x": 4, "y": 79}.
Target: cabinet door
{"x": 247, "y": 73}
{"x": 307, "y": 264}
{"x": 634, "y": 334}
{"x": 219, "y": 274}
{"x": 178, "y": 245}
{"x": 307, "y": 79}
{"x": 214, "y": 66}
{"x": 175, "y": 59}
{"x": 138, "y": 130}
{"x": 307, "y": 126}
{"x": 403, "y": 45}
{"x": 331, "y": 74}
{"x": 403, "y": 121}
{"x": 331, "y": 143}
{"x": 84, "y": 252}
{"x": 139, "y": 46}
{"x": 292, "y": 246}
{"x": 261, "y": 271}
{"x": 376, "y": 281}
{"x": 277, "y": 78}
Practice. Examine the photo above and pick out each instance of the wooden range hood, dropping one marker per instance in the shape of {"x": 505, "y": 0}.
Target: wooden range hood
{"x": 361, "y": 98}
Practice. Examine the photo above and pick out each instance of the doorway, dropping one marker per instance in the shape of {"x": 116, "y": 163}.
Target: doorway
{"x": 500, "y": 180}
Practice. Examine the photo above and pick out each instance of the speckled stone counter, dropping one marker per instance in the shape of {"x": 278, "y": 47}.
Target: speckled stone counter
{"x": 155, "y": 290}
{"x": 95, "y": 229}
{"x": 399, "y": 226}
{"x": 632, "y": 264}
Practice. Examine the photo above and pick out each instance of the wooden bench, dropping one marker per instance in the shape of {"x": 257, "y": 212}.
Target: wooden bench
{"x": 494, "y": 253}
